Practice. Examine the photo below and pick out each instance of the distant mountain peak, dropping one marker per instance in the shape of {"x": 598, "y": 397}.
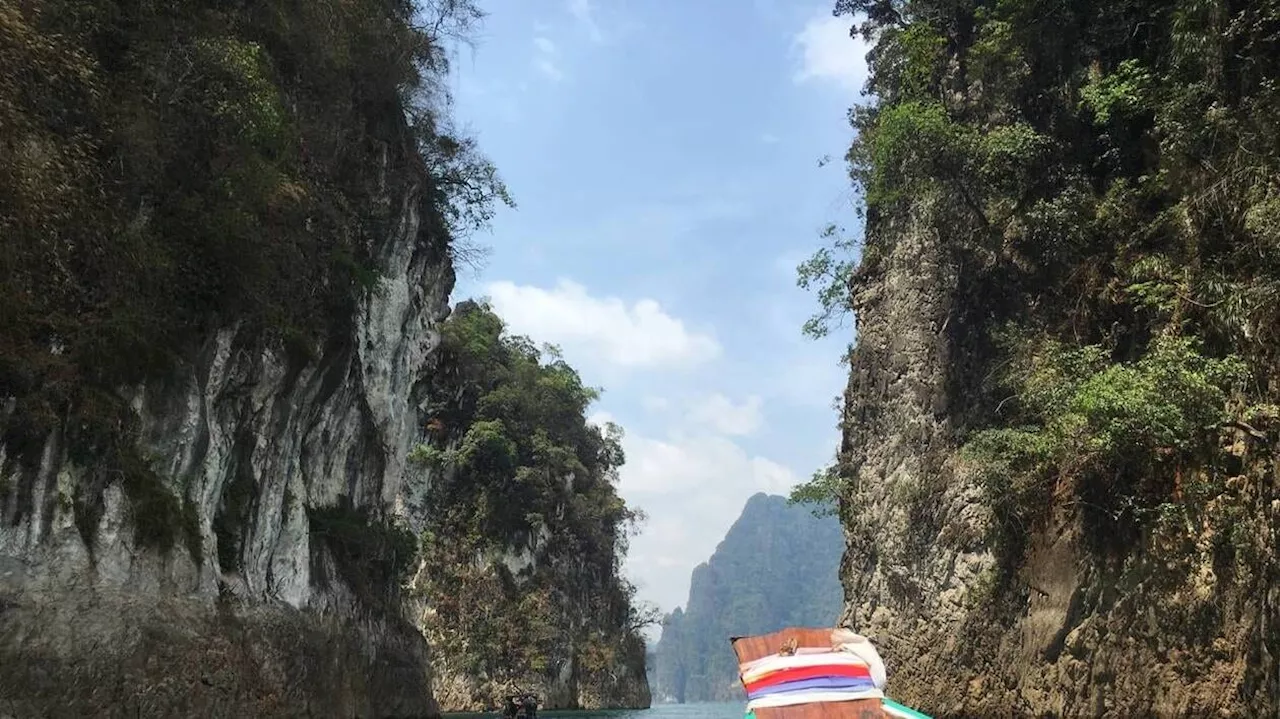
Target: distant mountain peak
{"x": 776, "y": 566}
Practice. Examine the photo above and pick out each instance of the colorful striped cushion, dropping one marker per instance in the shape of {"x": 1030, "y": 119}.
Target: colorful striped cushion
{"x": 802, "y": 678}
{"x": 819, "y": 683}
{"x": 753, "y": 671}
{"x": 822, "y": 667}
{"x": 800, "y": 673}
{"x": 813, "y": 697}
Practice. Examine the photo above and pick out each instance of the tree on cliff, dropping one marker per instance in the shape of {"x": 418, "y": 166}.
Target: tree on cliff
{"x": 526, "y": 534}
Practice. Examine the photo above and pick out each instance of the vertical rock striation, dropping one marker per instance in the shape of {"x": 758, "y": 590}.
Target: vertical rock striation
{"x": 229, "y": 241}
{"x": 268, "y": 625}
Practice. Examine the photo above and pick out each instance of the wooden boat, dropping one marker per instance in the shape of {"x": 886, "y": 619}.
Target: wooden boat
{"x": 806, "y": 673}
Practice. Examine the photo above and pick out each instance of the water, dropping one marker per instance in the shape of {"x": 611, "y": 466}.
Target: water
{"x": 729, "y": 710}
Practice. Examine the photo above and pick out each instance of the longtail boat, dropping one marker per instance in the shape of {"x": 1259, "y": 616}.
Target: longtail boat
{"x": 802, "y": 673}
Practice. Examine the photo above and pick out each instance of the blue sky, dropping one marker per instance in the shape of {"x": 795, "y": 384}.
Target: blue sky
{"x": 663, "y": 155}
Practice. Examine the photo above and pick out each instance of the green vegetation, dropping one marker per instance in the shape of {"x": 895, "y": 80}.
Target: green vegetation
{"x": 778, "y": 566}
{"x": 1127, "y": 426}
{"x": 827, "y": 272}
{"x": 819, "y": 493}
{"x": 174, "y": 167}
{"x": 515, "y": 469}
{"x": 1103, "y": 180}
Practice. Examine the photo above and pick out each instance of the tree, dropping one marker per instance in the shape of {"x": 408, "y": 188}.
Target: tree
{"x": 821, "y": 492}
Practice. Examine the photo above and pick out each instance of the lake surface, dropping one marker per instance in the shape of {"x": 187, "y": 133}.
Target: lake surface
{"x": 730, "y": 710}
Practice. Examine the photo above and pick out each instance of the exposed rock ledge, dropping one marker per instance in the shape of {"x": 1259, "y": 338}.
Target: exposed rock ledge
{"x": 107, "y": 654}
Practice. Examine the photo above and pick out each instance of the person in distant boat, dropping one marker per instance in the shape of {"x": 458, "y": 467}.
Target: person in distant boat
{"x": 521, "y": 705}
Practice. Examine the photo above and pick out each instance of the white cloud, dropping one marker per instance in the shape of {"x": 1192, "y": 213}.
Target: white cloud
{"x": 692, "y": 484}
{"x": 770, "y": 139}
{"x": 544, "y": 45}
{"x": 831, "y": 54}
{"x": 699, "y": 463}
{"x": 606, "y": 329}
{"x": 544, "y": 58}
{"x": 584, "y": 13}
{"x": 549, "y": 68}
{"x": 720, "y": 413}
{"x": 600, "y": 418}
{"x": 655, "y": 404}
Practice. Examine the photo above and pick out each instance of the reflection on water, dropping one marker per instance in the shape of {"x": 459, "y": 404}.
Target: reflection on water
{"x": 730, "y": 710}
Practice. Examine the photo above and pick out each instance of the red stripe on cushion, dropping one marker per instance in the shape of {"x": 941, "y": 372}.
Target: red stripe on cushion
{"x": 798, "y": 673}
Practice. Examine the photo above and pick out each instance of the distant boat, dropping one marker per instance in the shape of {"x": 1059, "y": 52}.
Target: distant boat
{"x": 521, "y": 705}
{"x": 799, "y": 673}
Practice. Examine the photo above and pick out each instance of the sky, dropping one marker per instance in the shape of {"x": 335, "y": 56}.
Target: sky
{"x": 664, "y": 156}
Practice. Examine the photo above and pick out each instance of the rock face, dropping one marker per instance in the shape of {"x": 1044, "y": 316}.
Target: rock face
{"x": 260, "y": 612}
{"x": 129, "y": 654}
{"x": 623, "y": 686}
{"x": 619, "y": 682}
{"x": 229, "y": 232}
{"x": 1175, "y": 626}
{"x": 520, "y": 586}
{"x": 905, "y": 581}
{"x": 1058, "y": 475}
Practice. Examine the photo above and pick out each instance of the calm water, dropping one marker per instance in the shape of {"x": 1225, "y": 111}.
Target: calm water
{"x": 731, "y": 710}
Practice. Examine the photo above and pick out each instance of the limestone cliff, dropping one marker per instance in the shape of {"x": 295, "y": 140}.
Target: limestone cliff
{"x": 228, "y": 254}
{"x": 1058, "y": 475}
{"x": 520, "y": 586}
{"x": 290, "y": 440}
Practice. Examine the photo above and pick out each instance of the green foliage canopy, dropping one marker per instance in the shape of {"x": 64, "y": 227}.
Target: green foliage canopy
{"x": 516, "y": 469}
